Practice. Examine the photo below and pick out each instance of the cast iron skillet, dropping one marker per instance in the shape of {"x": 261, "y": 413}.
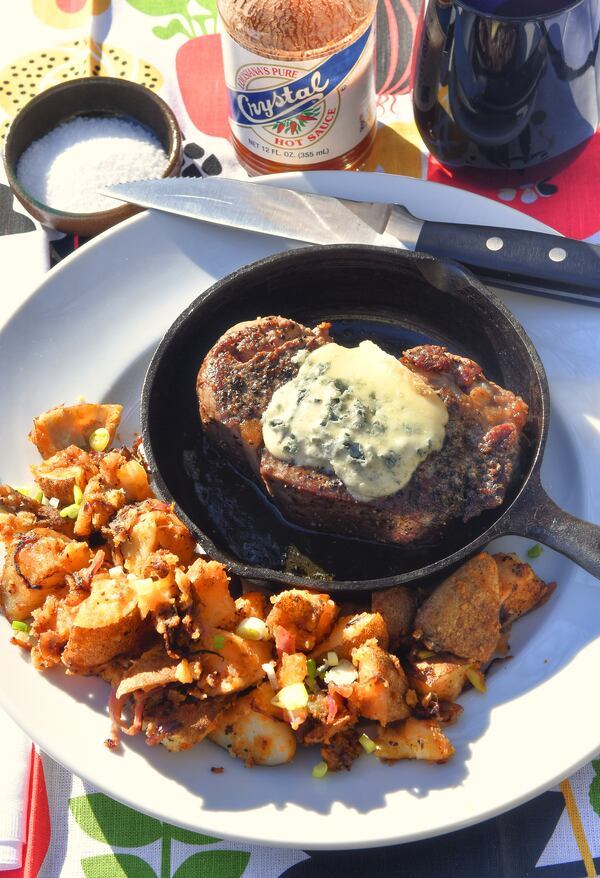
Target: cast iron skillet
{"x": 397, "y": 299}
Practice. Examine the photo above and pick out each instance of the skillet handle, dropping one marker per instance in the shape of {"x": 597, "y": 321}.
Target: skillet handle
{"x": 537, "y": 516}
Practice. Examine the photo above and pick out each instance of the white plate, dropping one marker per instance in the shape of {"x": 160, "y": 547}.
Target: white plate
{"x": 90, "y": 329}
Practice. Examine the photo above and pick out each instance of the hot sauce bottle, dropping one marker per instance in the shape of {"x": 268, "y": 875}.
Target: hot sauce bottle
{"x": 300, "y": 80}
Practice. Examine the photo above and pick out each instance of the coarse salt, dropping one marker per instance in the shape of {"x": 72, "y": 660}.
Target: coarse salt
{"x": 66, "y": 168}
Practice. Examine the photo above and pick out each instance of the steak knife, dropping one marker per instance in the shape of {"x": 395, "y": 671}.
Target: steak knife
{"x": 522, "y": 260}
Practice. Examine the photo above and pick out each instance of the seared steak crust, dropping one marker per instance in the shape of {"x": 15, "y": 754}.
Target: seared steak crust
{"x": 240, "y": 374}
{"x": 468, "y": 475}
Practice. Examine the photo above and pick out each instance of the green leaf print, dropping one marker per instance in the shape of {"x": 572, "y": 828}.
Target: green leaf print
{"x": 594, "y": 791}
{"x": 108, "y": 821}
{"x": 189, "y": 25}
{"x": 116, "y": 866}
{"x": 202, "y": 19}
{"x": 210, "y": 5}
{"x": 172, "y": 28}
{"x": 160, "y": 7}
{"x": 187, "y": 837}
{"x": 217, "y": 864}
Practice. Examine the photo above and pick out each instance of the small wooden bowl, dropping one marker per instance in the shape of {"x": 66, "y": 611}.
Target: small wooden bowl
{"x": 90, "y": 96}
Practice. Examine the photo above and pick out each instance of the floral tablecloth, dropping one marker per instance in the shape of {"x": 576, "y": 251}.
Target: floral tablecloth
{"x": 173, "y": 47}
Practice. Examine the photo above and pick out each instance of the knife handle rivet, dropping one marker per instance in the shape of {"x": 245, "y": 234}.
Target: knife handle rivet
{"x": 494, "y": 244}
{"x": 557, "y": 254}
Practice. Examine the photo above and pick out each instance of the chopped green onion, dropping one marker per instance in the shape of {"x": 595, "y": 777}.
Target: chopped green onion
{"x": 31, "y": 491}
{"x": 311, "y": 668}
{"x": 368, "y": 745}
{"x": 99, "y": 439}
{"x": 252, "y": 628}
{"x": 292, "y": 697}
{"x": 476, "y": 679}
{"x": 21, "y": 626}
{"x": 71, "y": 511}
{"x": 77, "y": 494}
{"x": 218, "y": 641}
{"x": 535, "y": 551}
{"x": 332, "y": 659}
{"x": 320, "y": 770}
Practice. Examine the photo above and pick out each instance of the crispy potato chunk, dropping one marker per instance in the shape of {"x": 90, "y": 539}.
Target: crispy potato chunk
{"x": 110, "y": 598}
{"x": 88, "y": 649}
{"x": 414, "y": 739}
{"x": 119, "y": 480}
{"x": 23, "y": 513}
{"x": 72, "y": 425}
{"x": 133, "y": 479}
{"x": 58, "y": 475}
{"x": 98, "y": 505}
{"x": 462, "y": 615}
{"x": 51, "y": 627}
{"x": 398, "y": 607}
{"x": 108, "y": 623}
{"x": 350, "y": 632}
{"x": 252, "y": 603}
{"x": 11, "y": 524}
{"x": 252, "y": 736}
{"x": 262, "y": 701}
{"x": 306, "y": 616}
{"x": 444, "y": 676}
{"x": 36, "y": 565}
{"x": 138, "y": 531}
{"x": 235, "y": 665}
{"x": 292, "y": 669}
{"x": 521, "y": 590}
{"x": 381, "y": 686}
{"x": 179, "y": 727}
{"x": 215, "y": 608}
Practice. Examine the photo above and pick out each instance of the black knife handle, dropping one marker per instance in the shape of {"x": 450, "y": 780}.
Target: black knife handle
{"x": 518, "y": 257}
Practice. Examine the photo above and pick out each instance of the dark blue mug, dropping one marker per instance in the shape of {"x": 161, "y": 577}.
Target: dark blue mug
{"x": 506, "y": 83}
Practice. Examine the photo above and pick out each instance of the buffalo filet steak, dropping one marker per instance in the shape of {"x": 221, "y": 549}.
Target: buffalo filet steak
{"x": 468, "y": 475}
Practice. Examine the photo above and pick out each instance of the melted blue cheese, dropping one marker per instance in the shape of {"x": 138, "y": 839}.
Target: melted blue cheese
{"x": 357, "y": 413}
